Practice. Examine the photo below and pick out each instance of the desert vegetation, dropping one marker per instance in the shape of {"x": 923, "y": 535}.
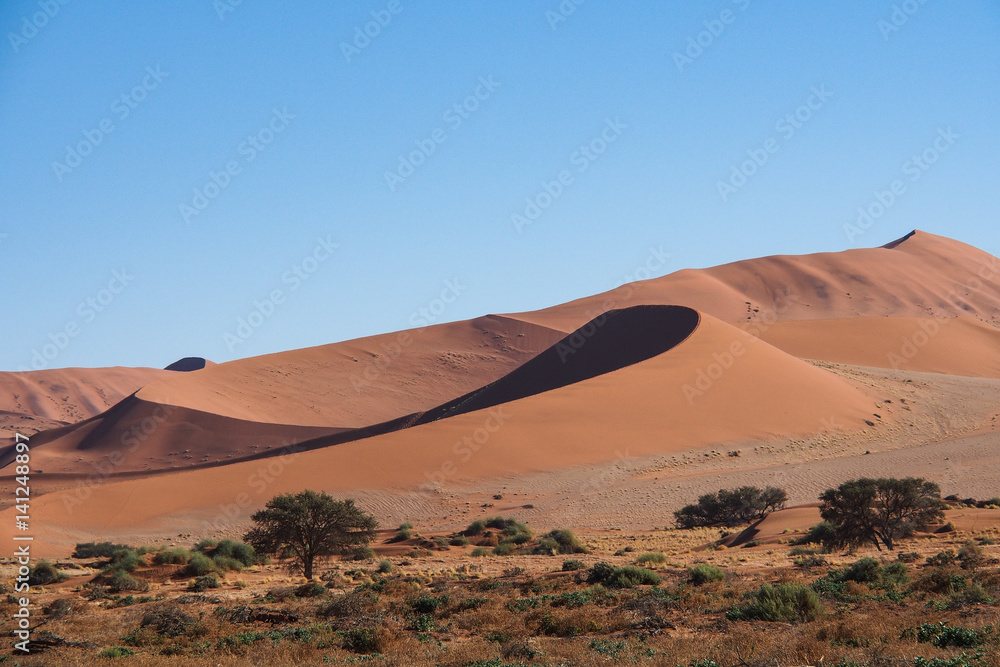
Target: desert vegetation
{"x": 618, "y": 598}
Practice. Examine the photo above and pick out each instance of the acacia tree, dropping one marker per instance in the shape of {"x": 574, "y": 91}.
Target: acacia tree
{"x": 880, "y": 510}
{"x": 733, "y": 507}
{"x": 307, "y": 526}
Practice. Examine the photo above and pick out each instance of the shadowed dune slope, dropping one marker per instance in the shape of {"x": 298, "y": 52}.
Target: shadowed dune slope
{"x": 616, "y": 339}
{"x": 31, "y": 401}
{"x": 956, "y": 345}
{"x": 641, "y": 409}
{"x": 921, "y": 275}
{"x": 138, "y": 436}
{"x": 360, "y": 382}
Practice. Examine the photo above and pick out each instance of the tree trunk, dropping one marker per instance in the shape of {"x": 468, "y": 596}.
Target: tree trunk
{"x": 307, "y": 567}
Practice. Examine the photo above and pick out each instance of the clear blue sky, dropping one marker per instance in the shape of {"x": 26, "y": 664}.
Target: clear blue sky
{"x": 202, "y": 87}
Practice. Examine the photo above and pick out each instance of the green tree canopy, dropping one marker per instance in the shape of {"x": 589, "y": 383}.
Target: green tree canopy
{"x": 733, "y": 507}
{"x": 880, "y": 510}
{"x": 307, "y": 526}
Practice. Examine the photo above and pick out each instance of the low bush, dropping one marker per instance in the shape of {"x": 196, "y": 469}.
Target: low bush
{"x": 124, "y": 560}
{"x": 204, "y": 583}
{"x": 199, "y": 565}
{"x": 654, "y": 558}
{"x": 561, "y": 541}
{"x": 572, "y": 565}
{"x": 171, "y": 557}
{"x": 627, "y": 576}
{"x": 120, "y": 581}
{"x": 244, "y": 553}
{"x": 97, "y": 549}
{"x": 43, "y": 574}
{"x": 459, "y": 541}
{"x": 703, "y": 574}
{"x": 475, "y": 528}
{"x": 787, "y": 603}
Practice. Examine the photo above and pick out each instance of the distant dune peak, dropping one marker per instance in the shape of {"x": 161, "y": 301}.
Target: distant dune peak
{"x": 188, "y": 364}
{"x": 899, "y": 241}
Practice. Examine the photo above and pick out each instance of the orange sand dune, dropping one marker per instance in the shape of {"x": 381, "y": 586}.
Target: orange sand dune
{"x": 691, "y": 395}
{"x": 359, "y": 382}
{"x": 921, "y": 275}
{"x": 956, "y": 345}
{"x": 35, "y": 400}
{"x": 255, "y": 406}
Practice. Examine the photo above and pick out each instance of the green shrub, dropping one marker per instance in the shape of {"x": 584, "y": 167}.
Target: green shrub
{"x": 97, "y": 549}
{"x": 120, "y": 581}
{"x": 385, "y": 566}
{"x": 226, "y": 563}
{"x": 504, "y": 549}
{"x": 943, "y": 635}
{"x": 310, "y": 590}
{"x": 732, "y": 507}
{"x": 362, "y": 552}
{"x": 171, "y": 557}
{"x": 125, "y": 560}
{"x": 864, "y": 570}
{"x": 824, "y": 532}
{"x": 206, "y": 582}
{"x": 477, "y": 527}
{"x": 459, "y": 541}
{"x": 654, "y": 558}
{"x": 704, "y": 573}
{"x": 117, "y": 652}
{"x": 572, "y": 565}
{"x": 560, "y": 541}
{"x": 43, "y": 574}
{"x": 479, "y": 551}
{"x": 401, "y": 535}
{"x": 787, "y": 603}
{"x": 362, "y": 640}
{"x": 428, "y": 604}
{"x": 244, "y": 553}
{"x": 199, "y": 565}
{"x": 205, "y": 545}
{"x": 627, "y": 576}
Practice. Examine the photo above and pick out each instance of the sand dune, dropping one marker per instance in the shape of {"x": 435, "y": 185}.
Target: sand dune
{"x": 36, "y": 400}
{"x": 641, "y": 409}
{"x": 360, "y": 382}
{"x": 921, "y": 275}
{"x": 955, "y": 345}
